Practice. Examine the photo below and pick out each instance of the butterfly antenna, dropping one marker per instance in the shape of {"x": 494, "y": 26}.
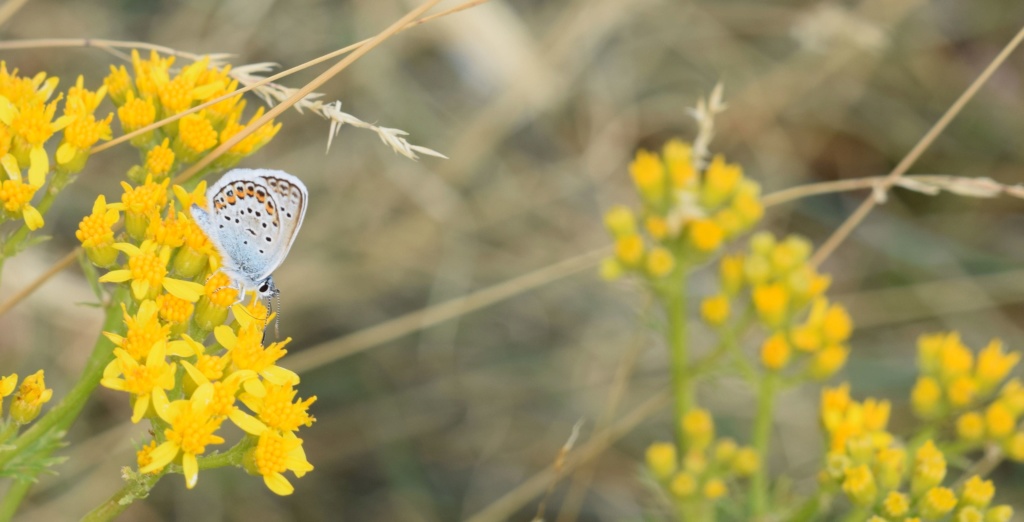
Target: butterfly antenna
{"x": 277, "y": 317}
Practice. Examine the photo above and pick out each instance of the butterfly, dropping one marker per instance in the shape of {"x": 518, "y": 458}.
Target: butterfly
{"x": 252, "y": 217}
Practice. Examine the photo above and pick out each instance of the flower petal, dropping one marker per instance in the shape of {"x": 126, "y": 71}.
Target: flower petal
{"x": 139, "y": 410}
{"x": 162, "y": 455}
{"x": 278, "y": 484}
{"x": 65, "y": 153}
{"x": 140, "y": 288}
{"x": 280, "y": 376}
{"x": 38, "y": 166}
{"x": 186, "y": 290}
{"x": 116, "y": 276}
{"x": 225, "y": 336}
{"x": 33, "y": 219}
{"x": 194, "y": 373}
{"x": 247, "y": 422}
{"x": 190, "y": 468}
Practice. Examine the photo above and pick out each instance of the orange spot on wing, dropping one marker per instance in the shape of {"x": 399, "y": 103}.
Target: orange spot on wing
{"x": 232, "y": 200}
{"x": 270, "y": 209}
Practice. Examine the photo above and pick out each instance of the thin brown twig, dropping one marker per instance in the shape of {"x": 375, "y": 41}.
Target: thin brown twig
{"x": 9, "y": 8}
{"x": 844, "y": 230}
{"x": 57, "y": 267}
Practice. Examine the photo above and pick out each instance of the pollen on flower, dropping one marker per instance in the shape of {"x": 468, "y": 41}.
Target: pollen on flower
{"x": 136, "y": 113}
{"x": 194, "y": 429}
{"x": 118, "y": 83}
{"x": 86, "y": 130}
{"x": 159, "y": 160}
{"x": 16, "y": 195}
{"x": 146, "y": 198}
{"x": 249, "y": 353}
{"x": 148, "y": 267}
{"x": 196, "y": 133}
{"x": 279, "y": 412}
{"x": 896, "y": 504}
{"x": 144, "y": 456}
{"x": 34, "y": 123}
{"x": 144, "y": 331}
{"x": 174, "y": 309}
{"x": 219, "y": 291}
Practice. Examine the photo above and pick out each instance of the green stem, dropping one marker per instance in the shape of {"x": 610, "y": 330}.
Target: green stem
{"x": 761, "y": 440}
{"x": 64, "y": 414}
{"x": 136, "y": 488}
{"x": 682, "y": 384}
{"x": 10, "y": 502}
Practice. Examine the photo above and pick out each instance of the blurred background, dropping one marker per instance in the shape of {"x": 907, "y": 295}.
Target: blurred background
{"x": 540, "y": 105}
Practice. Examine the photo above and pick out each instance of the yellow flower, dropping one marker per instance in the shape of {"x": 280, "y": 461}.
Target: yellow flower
{"x": 1002, "y": 513}
{"x": 994, "y": 365}
{"x": 174, "y": 310}
{"x": 827, "y": 361}
{"x": 118, "y": 84}
{"x": 144, "y": 381}
{"x": 999, "y": 420}
{"x": 253, "y": 141}
{"x": 32, "y": 125}
{"x": 892, "y": 462}
{"x": 660, "y": 262}
{"x": 836, "y": 325}
{"x": 860, "y": 486}
{"x": 706, "y": 235}
{"x": 96, "y": 232}
{"x": 247, "y": 352}
{"x": 147, "y": 270}
{"x": 698, "y": 428}
{"x": 7, "y": 385}
{"x": 16, "y": 195}
{"x": 629, "y": 249}
{"x": 144, "y": 456}
{"x": 683, "y": 485}
{"x": 977, "y": 492}
{"x": 195, "y": 136}
{"x": 159, "y": 160}
{"x": 771, "y": 302}
{"x": 747, "y": 205}
{"x": 649, "y": 175}
{"x": 152, "y": 73}
{"x": 657, "y": 227}
{"x": 275, "y": 406}
{"x": 31, "y": 397}
{"x": 136, "y": 113}
{"x": 747, "y": 461}
{"x": 679, "y": 160}
{"x": 929, "y": 468}
{"x": 937, "y": 502}
{"x": 187, "y": 199}
{"x": 720, "y": 182}
{"x": 715, "y": 309}
{"x": 775, "y": 352}
{"x": 970, "y": 426}
{"x": 192, "y": 428}
{"x": 896, "y": 504}
{"x": 273, "y": 455}
{"x": 662, "y": 459}
{"x": 961, "y": 391}
{"x": 143, "y": 333}
{"x": 715, "y": 489}
{"x": 926, "y": 397}
{"x": 142, "y": 203}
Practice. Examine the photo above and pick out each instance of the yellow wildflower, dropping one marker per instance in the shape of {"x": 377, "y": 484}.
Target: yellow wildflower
{"x": 629, "y": 249}
{"x": 662, "y": 459}
{"x": 926, "y": 397}
{"x": 192, "y": 428}
{"x": 827, "y": 361}
{"x": 118, "y": 84}
{"x": 715, "y": 309}
{"x": 771, "y": 302}
{"x": 679, "y": 160}
{"x": 775, "y": 352}
{"x": 859, "y": 485}
{"x": 993, "y": 365}
{"x": 698, "y": 428}
{"x": 999, "y": 420}
{"x": 747, "y": 461}
{"x": 273, "y": 455}
{"x": 720, "y": 182}
{"x": 937, "y": 502}
{"x": 32, "y": 395}
{"x": 683, "y": 485}
{"x": 657, "y": 227}
{"x": 705, "y": 235}
{"x": 195, "y": 136}
{"x": 143, "y": 381}
{"x": 16, "y": 195}
{"x": 660, "y": 262}
{"x": 159, "y": 160}
{"x": 896, "y": 504}
{"x": 649, "y": 175}
{"x": 731, "y": 273}
{"x": 970, "y": 426}
{"x": 275, "y": 406}
{"x": 715, "y": 489}
{"x": 977, "y": 492}
{"x": 96, "y": 232}
{"x": 147, "y": 271}
{"x": 247, "y": 352}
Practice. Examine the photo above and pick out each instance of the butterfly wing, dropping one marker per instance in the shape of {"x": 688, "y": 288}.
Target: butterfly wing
{"x": 252, "y": 219}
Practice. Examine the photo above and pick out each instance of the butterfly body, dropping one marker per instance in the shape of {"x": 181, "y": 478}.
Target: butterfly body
{"x": 252, "y": 217}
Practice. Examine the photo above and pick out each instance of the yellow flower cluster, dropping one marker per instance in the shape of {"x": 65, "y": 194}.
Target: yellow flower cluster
{"x": 155, "y": 93}
{"x": 956, "y": 382}
{"x": 874, "y": 471}
{"x": 707, "y": 465}
{"x": 27, "y": 403}
{"x": 187, "y": 365}
{"x": 788, "y": 298}
{"x": 27, "y": 124}
{"x": 687, "y": 213}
